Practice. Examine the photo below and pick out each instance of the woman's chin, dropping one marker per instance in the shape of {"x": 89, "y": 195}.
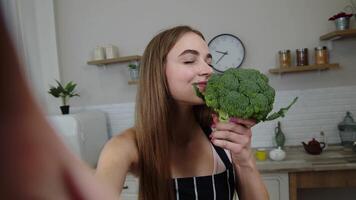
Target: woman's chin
{"x": 199, "y": 101}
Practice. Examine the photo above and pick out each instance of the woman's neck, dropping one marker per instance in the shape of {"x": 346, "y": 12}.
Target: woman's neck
{"x": 185, "y": 126}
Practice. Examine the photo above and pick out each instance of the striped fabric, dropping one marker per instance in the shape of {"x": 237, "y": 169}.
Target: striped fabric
{"x": 219, "y": 186}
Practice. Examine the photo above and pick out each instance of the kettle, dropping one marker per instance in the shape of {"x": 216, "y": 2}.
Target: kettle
{"x": 314, "y": 147}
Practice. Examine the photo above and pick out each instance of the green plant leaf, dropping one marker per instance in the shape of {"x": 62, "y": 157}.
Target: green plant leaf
{"x": 63, "y": 92}
{"x": 70, "y": 87}
{"x": 54, "y": 91}
{"x": 60, "y": 87}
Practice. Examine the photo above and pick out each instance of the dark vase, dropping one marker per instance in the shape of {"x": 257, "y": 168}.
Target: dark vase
{"x": 65, "y": 110}
{"x": 279, "y": 136}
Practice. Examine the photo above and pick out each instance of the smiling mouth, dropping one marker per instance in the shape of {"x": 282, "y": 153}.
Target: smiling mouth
{"x": 201, "y": 85}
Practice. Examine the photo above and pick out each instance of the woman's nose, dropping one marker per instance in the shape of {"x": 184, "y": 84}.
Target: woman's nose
{"x": 206, "y": 70}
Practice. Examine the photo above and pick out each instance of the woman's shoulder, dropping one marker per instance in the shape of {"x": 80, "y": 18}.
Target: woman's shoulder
{"x": 123, "y": 147}
{"x": 127, "y": 136}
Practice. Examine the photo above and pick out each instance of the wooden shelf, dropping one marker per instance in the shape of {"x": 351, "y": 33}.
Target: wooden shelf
{"x": 335, "y": 35}
{"x": 115, "y": 60}
{"x": 133, "y": 82}
{"x": 295, "y": 69}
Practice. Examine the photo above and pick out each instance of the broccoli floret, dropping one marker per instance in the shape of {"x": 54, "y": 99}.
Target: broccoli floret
{"x": 242, "y": 93}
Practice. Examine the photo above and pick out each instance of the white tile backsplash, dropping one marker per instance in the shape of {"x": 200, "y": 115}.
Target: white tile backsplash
{"x": 316, "y": 110}
{"x": 119, "y": 116}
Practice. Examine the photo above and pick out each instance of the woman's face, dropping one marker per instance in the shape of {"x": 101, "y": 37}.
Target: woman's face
{"x": 188, "y": 63}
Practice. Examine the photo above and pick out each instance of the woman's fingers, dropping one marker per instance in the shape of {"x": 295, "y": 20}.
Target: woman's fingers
{"x": 231, "y": 137}
{"x": 248, "y": 123}
{"x": 234, "y": 148}
{"x": 236, "y": 128}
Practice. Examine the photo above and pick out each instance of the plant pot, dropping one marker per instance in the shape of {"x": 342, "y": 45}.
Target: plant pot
{"x": 342, "y": 23}
{"x": 65, "y": 110}
{"x": 134, "y": 74}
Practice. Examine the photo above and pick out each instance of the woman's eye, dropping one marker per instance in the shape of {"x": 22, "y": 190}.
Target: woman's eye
{"x": 189, "y": 62}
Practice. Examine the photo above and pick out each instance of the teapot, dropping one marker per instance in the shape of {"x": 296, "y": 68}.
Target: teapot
{"x": 314, "y": 147}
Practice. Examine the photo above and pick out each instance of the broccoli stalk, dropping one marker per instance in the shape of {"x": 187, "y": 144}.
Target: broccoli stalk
{"x": 281, "y": 112}
{"x": 241, "y": 93}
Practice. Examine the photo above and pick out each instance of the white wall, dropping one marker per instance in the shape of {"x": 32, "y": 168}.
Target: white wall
{"x": 264, "y": 27}
{"x": 31, "y": 25}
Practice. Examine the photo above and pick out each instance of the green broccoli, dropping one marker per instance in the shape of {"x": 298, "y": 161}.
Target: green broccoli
{"x": 242, "y": 93}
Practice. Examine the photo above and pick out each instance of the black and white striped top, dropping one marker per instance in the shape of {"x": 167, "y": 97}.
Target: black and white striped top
{"x": 219, "y": 186}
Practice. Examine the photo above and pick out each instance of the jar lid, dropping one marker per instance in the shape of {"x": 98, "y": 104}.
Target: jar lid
{"x": 302, "y": 49}
{"x": 284, "y": 51}
{"x": 348, "y": 122}
{"x": 321, "y": 48}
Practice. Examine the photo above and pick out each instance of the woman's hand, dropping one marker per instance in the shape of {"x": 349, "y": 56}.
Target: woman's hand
{"x": 234, "y": 136}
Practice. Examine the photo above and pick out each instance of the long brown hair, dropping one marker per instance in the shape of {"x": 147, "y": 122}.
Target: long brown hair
{"x": 153, "y": 109}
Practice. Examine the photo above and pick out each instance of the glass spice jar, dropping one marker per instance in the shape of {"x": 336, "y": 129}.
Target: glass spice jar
{"x": 285, "y": 59}
{"x": 321, "y": 55}
{"x": 302, "y": 57}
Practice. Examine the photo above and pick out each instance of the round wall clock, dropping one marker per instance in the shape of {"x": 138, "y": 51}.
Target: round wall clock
{"x": 227, "y": 51}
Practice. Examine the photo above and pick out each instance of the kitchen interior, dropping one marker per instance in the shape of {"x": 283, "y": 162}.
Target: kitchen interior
{"x": 304, "y": 48}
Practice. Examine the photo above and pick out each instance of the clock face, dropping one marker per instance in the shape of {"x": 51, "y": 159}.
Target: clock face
{"x": 227, "y": 51}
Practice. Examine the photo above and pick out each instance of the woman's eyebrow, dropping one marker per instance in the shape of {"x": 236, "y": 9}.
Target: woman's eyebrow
{"x": 194, "y": 52}
{"x": 189, "y": 51}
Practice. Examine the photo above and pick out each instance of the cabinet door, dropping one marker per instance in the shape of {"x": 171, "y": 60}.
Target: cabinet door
{"x": 277, "y": 185}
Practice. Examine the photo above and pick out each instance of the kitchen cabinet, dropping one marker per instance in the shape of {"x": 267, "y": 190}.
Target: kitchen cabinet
{"x": 277, "y": 185}
{"x": 334, "y": 168}
{"x": 320, "y": 179}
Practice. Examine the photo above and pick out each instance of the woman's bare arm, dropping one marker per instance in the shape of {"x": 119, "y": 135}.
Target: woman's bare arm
{"x": 118, "y": 157}
{"x": 35, "y": 164}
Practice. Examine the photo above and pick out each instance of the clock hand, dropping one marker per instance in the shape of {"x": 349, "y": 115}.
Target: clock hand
{"x": 220, "y": 58}
{"x": 222, "y": 52}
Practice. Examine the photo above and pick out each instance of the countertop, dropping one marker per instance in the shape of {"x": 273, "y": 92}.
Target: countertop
{"x": 335, "y": 157}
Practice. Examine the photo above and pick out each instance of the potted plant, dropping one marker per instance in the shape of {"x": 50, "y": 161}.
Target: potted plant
{"x": 64, "y": 93}
{"x": 134, "y": 71}
{"x": 342, "y": 20}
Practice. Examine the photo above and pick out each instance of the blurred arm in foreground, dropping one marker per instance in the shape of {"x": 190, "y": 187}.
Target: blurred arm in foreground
{"x": 35, "y": 164}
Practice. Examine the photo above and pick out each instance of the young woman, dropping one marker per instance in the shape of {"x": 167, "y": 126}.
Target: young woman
{"x": 172, "y": 148}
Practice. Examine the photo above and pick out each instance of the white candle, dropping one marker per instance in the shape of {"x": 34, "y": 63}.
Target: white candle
{"x": 111, "y": 51}
{"x": 99, "y": 53}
